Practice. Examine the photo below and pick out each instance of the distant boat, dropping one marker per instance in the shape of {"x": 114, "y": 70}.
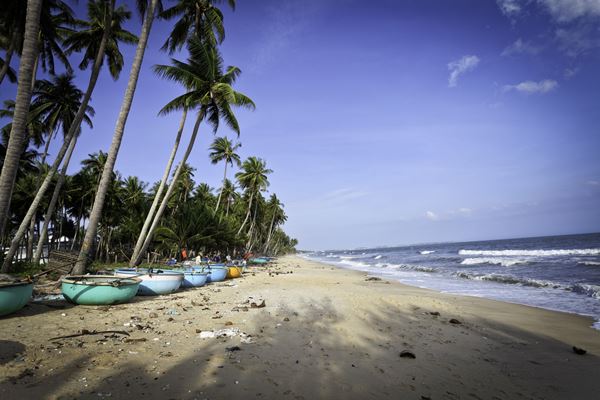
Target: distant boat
{"x": 216, "y": 272}
{"x": 154, "y": 281}
{"x": 99, "y": 289}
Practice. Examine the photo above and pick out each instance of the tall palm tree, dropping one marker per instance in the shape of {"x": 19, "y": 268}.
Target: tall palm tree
{"x": 60, "y": 100}
{"x": 222, "y": 149}
{"x": 90, "y": 235}
{"x": 210, "y": 91}
{"x": 252, "y": 178}
{"x": 18, "y": 132}
{"x": 196, "y": 18}
{"x": 275, "y": 208}
{"x": 102, "y": 34}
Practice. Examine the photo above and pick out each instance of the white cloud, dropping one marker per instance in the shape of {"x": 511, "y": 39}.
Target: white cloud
{"x": 570, "y": 72}
{"x": 459, "y": 67}
{"x": 531, "y": 87}
{"x": 521, "y": 47}
{"x": 430, "y": 215}
{"x": 342, "y": 195}
{"x": 569, "y": 10}
{"x": 464, "y": 210}
{"x": 593, "y": 183}
{"x": 509, "y": 8}
{"x": 579, "y": 39}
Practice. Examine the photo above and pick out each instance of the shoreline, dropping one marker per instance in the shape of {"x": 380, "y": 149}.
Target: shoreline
{"x": 324, "y": 332}
{"x": 594, "y": 323}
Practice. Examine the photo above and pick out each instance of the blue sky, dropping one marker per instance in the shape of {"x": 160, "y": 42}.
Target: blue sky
{"x": 394, "y": 122}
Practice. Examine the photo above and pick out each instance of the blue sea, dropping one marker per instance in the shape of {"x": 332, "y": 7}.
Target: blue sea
{"x": 554, "y": 272}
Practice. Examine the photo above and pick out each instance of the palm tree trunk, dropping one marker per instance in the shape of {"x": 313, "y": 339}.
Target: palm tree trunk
{"x": 116, "y": 142}
{"x": 157, "y": 196}
{"x": 18, "y": 136}
{"x": 53, "y": 201}
{"x": 165, "y": 200}
{"x": 222, "y": 187}
{"x": 270, "y": 232}
{"x": 73, "y": 130}
{"x": 247, "y": 214}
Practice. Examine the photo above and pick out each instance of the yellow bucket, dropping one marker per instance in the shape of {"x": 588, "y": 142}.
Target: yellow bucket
{"x": 234, "y": 272}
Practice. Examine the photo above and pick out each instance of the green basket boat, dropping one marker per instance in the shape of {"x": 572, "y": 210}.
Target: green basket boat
{"x": 99, "y": 289}
{"x": 14, "y": 296}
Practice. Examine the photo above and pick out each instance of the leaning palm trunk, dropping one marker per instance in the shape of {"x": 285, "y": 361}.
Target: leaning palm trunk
{"x": 116, "y": 142}
{"x": 73, "y": 129}
{"x": 18, "y": 133}
{"x": 157, "y": 196}
{"x": 165, "y": 200}
{"x": 9, "y": 53}
{"x": 61, "y": 180}
{"x": 222, "y": 187}
{"x": 247, "y": 214}
{"x": 270, "y": 232}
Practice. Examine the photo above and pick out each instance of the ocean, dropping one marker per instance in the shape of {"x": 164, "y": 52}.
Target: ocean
{"x": 555, "y": 272}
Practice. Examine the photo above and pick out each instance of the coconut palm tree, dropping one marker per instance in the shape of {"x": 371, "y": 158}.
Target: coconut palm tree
{"x": 18, "y": 132}
{"x": 102, "y": 33}
{"x": 60, "y": 99}
{"x": 210, "y": 91}
{"x": 96, "y": 213}
{"x": 253, "y": 179}
{"x": 222, "y": 149}
{"x": 275, "y": 208}
{"x": 196, "y": 17}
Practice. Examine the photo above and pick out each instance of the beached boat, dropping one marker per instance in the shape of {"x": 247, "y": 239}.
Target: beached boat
{"x": 154, "y": 281}
{"x": 193, "y": 278}
{"x": 258, "y": 260}
{"x": 14, "y": 296}
{"x": 99, "y": 289}
{"x": 215, "y": 273}
{"x": 234, "y": 272}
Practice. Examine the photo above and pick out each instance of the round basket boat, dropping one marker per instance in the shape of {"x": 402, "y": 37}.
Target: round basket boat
{"x": 99, "y": 289}
{"x": 193, "y": 278}
{"x": 234, "y": 272}
{"x": 14, "y": 296}
{"x": 154, "y": 281}
{"x": 215, "y": 274}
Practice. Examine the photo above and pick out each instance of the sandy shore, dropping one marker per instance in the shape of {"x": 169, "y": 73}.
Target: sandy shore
{"x": 322, "y": 333}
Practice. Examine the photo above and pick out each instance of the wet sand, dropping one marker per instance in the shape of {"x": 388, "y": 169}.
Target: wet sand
{"x": 323, "y": 333}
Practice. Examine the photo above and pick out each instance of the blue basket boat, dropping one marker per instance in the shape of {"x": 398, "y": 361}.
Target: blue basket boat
{"x": 216, "y": 273}
{"x": 99, "y": 289}
{"x": 154, "y": 281}
{"x": 193, "y": 278}
{"x": 14, "y": 296}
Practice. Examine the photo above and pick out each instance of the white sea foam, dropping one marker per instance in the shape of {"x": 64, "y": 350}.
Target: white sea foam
{"x": 505, "y": 262}
{"x": 377, "y": 257}
{"x": 427, "y": 252}
{"x": 531, "y": 253}
{"x": 590, "y": 263}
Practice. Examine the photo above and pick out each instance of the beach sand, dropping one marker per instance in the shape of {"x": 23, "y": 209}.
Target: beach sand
{"x": 323, "y": 333}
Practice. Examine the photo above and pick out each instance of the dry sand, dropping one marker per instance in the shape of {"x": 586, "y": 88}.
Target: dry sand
{"x": 324, "y": 333}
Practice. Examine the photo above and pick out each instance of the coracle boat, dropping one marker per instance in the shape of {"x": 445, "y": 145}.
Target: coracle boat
{"x": 234, "y": 272}
{"x": 154, "y": 281}
{"x": 99, "y": 289}
{"x": 14, "y": 296}
{"x": 216, "y": 273}
{"x": 258, "y": 260}
{"x": 193, "y": 278}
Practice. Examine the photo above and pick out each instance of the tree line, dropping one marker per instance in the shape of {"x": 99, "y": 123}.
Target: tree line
{"x": 103, "y": 215}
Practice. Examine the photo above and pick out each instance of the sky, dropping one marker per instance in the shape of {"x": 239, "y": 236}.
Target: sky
{"x": 394, "y": 122}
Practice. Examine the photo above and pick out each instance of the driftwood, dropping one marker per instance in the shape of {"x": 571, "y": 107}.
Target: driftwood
{"x": 85, "y": 332}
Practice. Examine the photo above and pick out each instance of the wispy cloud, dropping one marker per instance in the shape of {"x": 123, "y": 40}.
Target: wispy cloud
{"x": 430, "y": 215}
{"x": 460, "y": 67}
{"x": 593, "y": 183}
{"x": 510, "y": 8}
{"x": 532, "y": 87}
{"x": 343, "y": 195}
{"x": 559, "y": 10}
{"x": 570, "y": 72}
{"x": 521, "y": 47}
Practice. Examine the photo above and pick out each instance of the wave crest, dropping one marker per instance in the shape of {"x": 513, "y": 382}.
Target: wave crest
{"x": 505, "y": 262}
{"x": 530, "y": 253}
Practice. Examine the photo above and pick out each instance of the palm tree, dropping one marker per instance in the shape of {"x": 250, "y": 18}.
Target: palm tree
{"x": 224, "y": 150}
{"x": 23, "y": 99}
{"x": 101, "y": 23}
{"x": 229, "y": 194}
{"x": 60, "y": 101}
{"x": 252, "y": 178}
{"x": 96, "y": 212}
{"x": 196, "y": 18}
{"x": 210, "y": 90}
{"x": 275, "y": 208}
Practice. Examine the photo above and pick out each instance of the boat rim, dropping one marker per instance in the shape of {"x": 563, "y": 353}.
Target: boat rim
{"x": 10, "y": 284}
{"x": 81, "y": 280}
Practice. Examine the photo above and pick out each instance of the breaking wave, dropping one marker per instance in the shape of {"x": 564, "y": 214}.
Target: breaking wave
{"x": 427, "y": 252}
{"x": 590, "y": 263}
{"x": 531, "y": 253}
{"x": 505, "y": 262}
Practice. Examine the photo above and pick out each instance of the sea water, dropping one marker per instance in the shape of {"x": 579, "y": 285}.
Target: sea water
{"x": 555, "y": 272}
